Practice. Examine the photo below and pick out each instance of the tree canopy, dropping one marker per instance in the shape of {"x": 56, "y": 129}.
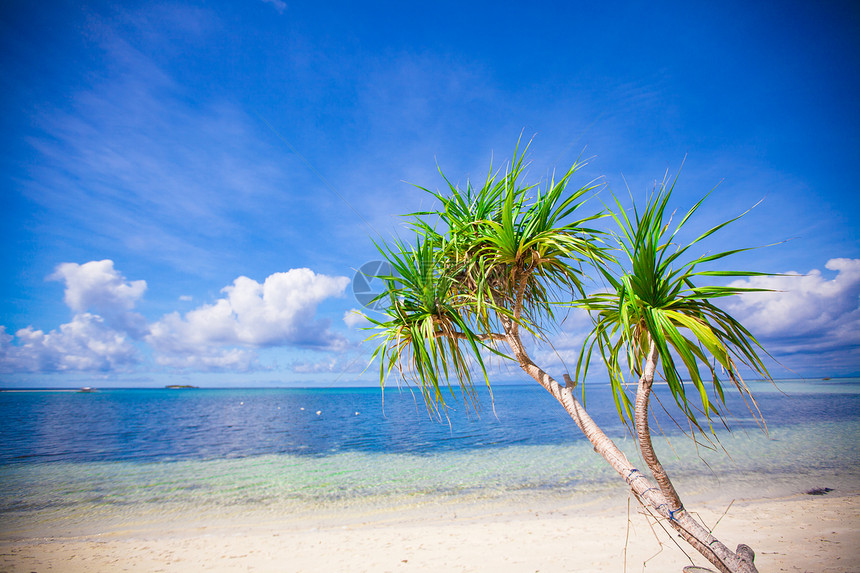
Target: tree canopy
{"x": 509, "y": 255}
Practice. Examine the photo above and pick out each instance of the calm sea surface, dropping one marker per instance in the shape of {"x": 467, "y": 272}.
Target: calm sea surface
{"x": 73, "y": 462}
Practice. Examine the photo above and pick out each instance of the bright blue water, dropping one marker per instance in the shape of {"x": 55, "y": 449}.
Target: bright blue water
{"x": 162, "y": 425}
{"x": 70, "y": 459}
{"x": 171, "y": 425}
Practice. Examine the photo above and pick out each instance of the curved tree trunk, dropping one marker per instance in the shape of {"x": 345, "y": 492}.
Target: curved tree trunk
{"x": 643, "y": 432}
{"x": 656, "y": 498}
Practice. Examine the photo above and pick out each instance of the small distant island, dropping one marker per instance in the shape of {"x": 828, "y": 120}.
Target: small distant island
{"x": 179, "y": 386}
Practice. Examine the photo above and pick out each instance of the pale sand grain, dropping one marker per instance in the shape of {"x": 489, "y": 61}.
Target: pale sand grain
{"x": 801, "y": 533}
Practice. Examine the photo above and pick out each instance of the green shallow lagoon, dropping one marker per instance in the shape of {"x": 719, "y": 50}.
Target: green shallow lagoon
{"x": 87, "y": 498}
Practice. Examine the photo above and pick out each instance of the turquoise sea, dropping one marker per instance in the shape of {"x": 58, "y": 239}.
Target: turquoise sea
{"x": 81, "y": 463}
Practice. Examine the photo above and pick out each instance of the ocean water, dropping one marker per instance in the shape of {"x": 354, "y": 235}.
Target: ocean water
{"x": 81, "y": 463}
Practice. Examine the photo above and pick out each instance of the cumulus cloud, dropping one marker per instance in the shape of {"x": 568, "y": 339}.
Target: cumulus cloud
{"x": 207, "y": 358}
{"x": 98, "y": 340}
{"x": 279, "y": 311}
{"x": 816, "y": 314}
{"x": 85, "y": 343}
{"x": 97, "y": 286}
{"x": 804, "y": 312}
{"x": 184, "y": 344}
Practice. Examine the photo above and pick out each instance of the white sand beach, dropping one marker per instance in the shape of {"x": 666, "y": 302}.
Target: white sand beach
{"x": 800, "y": 533}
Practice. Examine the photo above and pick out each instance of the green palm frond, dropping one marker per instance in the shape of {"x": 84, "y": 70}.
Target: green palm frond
{"x": 655, "y": 298}
{"x": 425, "y": 334}
{"x": 502, "y": 251}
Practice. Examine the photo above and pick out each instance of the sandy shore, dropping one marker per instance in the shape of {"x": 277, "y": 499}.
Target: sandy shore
{"x": 798, "y": 533}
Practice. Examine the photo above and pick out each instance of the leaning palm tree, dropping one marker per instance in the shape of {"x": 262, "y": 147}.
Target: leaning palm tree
{"x": 493, "y": 263}
{"x": 653, "y": 314}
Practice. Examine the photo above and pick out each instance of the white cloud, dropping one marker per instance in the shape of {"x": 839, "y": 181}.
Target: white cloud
{"x": 90, "y": 341}
{"x": 280, "y": 311}
{"x": 223, "y": 335}
{"x": 805, "y": 312}
{"x": 85, "y": 343}
{"x": 208, "y": 358}
{"x": 97, "y": 286}
{"x": 354, "y": 318}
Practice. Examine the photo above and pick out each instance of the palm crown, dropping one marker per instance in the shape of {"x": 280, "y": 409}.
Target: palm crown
{"x": 505, "y": 253}
{"x": 653, "y": 299}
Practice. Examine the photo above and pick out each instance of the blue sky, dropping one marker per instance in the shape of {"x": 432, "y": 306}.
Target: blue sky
{"x": 188, "y": 187}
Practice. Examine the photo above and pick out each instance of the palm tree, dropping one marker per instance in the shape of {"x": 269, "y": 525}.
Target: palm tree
{"x": 494, "y": 261}
{"x": 652, "y": 312}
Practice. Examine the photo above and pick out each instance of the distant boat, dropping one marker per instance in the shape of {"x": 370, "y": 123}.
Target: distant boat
{"x": 87, "y": 389}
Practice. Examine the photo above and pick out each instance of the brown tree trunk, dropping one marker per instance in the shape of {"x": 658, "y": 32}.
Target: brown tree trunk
{"x": 643, "y": 432}
{"x": 655, "y": 498}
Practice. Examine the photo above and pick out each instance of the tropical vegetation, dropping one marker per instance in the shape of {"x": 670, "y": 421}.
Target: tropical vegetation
{"x": 488, "y": 274}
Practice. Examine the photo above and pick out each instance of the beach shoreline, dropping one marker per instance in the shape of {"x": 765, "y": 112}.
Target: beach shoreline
{"x": 257, "y": 481}
{"x": 793, "y": 533}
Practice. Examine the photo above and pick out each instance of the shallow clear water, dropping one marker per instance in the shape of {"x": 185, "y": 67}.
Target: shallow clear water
{"x": 71, "y": 462}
